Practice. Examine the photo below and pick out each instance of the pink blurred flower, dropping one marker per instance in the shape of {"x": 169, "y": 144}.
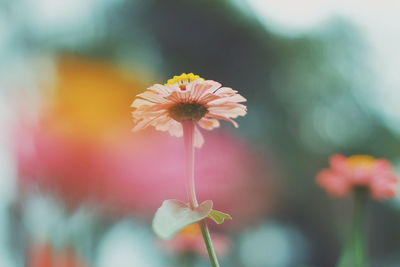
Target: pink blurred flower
{"x": 190, "y": 239}
{"x": 229, "y": 173}
{"x": 187, "y": 97}
{"x": 134, "y": 175}
{"x": 346, "y": 174}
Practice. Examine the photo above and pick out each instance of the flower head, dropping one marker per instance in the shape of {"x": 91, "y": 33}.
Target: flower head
{"x": 187, "y": 97}
{"x": 359, "y": 171}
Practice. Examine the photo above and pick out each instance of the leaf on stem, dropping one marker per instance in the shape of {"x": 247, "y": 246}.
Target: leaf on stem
{"x": 174, "y": 215}
{"x": 218, "y": 216}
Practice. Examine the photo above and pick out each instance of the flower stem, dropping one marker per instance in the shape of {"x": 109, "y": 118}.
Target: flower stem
{"x": 359, "y": 225}
{"x": 209, "y": 244}
{"x": 354, "y": 254}
{"x": 188, "y": 136}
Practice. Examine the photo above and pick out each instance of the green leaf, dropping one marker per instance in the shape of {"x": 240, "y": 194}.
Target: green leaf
{"x": 174, "y": 215}
{"x": 218, "y": 216}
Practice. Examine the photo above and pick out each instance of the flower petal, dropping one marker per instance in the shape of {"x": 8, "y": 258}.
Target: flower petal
{"x": 198, "y": 138}
{"x": 225, "y": 91}
{"x": 175, "y": 128}
{"x": 142, "y": 124}
{"x": 163, "y": 124}
{"x": 208, "y": 123}
{"x": 235, "y": 98}
{"x": 141, "y": 102}
{"x": 161, "y": 89}
{"x": 213, "y": 86}
{"x": 220, "y": 117}
{"x": 208, "y": 98}
{"x": 231, "y": 111}
{"x": 197, "y": 89}
{"x": 153, "y": 97}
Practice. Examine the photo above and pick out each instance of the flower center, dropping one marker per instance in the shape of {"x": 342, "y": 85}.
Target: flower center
{"x": 187, "y": 111}
{"x": 360, "y": 161}
{"x": 183, "y": 79}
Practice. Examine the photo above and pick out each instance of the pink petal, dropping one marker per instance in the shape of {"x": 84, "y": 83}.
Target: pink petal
{"x": 164, "y": 124}
{"x": 161, "y": 89}
{"x": 334, "y": 184}
{"x": 382, "y": 165}
{"x": 198, "y": 138}
{"x": 228, "y": 111}
{"x": 146, "y": 122}
{"x": 338, "y": 163}
{"x": 151, "y": 96}
{"x": 360, "y": 176}
{"x": 175, "y": 128}
{"x": 147, "y": 113}
{"x": 234, "y": 98}
{"x": 206, "y": 98}
{"x": 220, "y": 117}
{"x": 198, "y": 90}
{"x": 213, "y": 86}
{"x": 140, "y": 125}
{"x": 174, "y": 97}
{"x": 225, "y": 91}
{"x": 141, "y": 102}
{"x": 208, "y": 123}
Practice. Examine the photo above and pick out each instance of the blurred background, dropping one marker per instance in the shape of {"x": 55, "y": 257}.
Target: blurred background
{"x": 78, "y": 188}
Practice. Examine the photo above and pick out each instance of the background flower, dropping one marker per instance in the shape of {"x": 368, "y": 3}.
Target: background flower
{"x": 346, "y": 174}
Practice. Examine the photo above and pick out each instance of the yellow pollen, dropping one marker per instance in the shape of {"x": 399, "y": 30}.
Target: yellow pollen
{"x": 183, "y": 79}
{"x": 360, "y": 161}
{"x": 192, "y": 230}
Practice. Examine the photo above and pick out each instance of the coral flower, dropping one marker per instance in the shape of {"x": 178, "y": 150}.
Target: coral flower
{"x": 184, "y": 98}
{"x": 46, "y": 255}
{"x": 359, "y": 171}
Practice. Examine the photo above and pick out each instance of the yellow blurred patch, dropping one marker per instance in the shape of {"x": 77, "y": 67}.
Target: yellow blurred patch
{"x": 92, "y": 98}
{"x": 192, "y": 230}
{"x": 360, "y": 161}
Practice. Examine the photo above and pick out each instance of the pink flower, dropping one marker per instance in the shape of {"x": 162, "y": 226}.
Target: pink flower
{"x": 119, "y": 174}
{"x": 187, "y": 97}
{"x": 189, "y": 239}
{"x": 345, "y": 174}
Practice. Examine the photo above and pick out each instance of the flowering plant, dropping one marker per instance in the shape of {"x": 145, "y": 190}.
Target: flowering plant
{"x": 181, "y": 106}
{"x": 359, "y": 175}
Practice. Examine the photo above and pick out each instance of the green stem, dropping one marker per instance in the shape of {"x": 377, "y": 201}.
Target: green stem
{"x": 359, "y": 225}
{"x": 354, "y": 254}
{"x": 188, "y": 136}
{"x": 209, "y": 244}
